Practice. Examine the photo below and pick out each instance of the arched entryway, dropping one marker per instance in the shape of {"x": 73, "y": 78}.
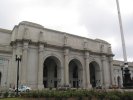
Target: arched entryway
{"x": 0, "y": 78}
{"x": 51, "y": 72}
{"x": 75, "y": 73}
{"x": 95, "y": 76}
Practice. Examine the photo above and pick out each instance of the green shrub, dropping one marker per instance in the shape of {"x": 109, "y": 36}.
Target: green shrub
{"x": 127, "y": 96}
{"x": 6, "y": 94}
{"x": 12, "y": 94}
{"x": 0, "y": 93}
{"x": 113, "y": 95}
{"x": 100, "y": 94}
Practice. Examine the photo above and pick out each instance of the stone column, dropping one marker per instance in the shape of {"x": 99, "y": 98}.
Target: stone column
{"x": 24, "y": 63}
{"x": 106, "y": 73}
{"x": 111, "y": 70}
{"x": 40, "y": 66}
{"x": 13, "y": 70}
{"x": 87, "y": 70}
{"x": 60, "y": 75}
{"x": 66, "y": 68}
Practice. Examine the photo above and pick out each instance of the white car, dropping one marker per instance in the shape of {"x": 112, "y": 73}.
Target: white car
{"x": 23, "y": 88}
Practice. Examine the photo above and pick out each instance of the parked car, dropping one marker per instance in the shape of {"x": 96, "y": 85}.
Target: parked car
{"x": 23, "y": 88}
{"x": 11, "y": 90}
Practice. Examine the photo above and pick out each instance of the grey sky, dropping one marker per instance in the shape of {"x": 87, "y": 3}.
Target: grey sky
{"x": 88, "y": 18}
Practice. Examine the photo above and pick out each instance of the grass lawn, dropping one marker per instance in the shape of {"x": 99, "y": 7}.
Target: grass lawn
{"x": 12, "y": 99}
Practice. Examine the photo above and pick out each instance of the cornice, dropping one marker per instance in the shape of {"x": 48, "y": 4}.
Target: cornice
{"x": 61, "y": 47}
{"x": 31, "y": 24}
{"x": 26, "y": 40}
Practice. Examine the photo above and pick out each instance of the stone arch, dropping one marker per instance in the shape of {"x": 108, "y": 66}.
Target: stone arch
{"x": 78, "y": 60}
{"x": 95, "y": 74}
{"x": 0, "y": 78}
{"x": 75, "y": 73}
{"x": 98, "y": 61}
{"x": 56, "y": 56}
{"x": 51, "y": 72}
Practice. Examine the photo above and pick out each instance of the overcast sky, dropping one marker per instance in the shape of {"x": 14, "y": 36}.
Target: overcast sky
{"x": 88, "y": 18}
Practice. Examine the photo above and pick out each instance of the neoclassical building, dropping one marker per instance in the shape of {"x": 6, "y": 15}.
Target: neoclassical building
{"x": 52, "y": 58}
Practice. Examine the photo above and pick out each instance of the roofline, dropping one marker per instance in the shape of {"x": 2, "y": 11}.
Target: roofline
{"x": 5, "y": 30}
{"x": 28, "y": 23}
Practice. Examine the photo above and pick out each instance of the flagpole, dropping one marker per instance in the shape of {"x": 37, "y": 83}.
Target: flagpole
{"x": 127, "y": 82}
{"x": 122, "y": 35}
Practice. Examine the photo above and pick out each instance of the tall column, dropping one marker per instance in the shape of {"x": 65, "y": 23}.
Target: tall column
{"x": 111, "y": 70}
{"x": 87, "y": 70}
{"x": 13, "y": 70}
{"x": 106, "y": 73}
{"x": 66, "y": 68}
{"x": 40, "y": 66}
{"x": 24, "y": 63}
{"x": 60, "y": 75}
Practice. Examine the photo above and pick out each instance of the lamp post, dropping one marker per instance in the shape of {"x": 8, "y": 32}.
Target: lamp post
{"x": 18, "y": 59}
{"x": 122, "y": 75}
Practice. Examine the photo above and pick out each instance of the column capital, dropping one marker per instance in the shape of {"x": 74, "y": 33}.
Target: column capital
{"x": 66, "y": 51}
{"x": 110, "y": 59}
{"x": 25, "y": 45}
{"x": 103, "y": 57}
{"x": 87, "y": 55}
{"x": 41, "y": 47}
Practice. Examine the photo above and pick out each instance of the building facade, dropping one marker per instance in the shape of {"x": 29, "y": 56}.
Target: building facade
{"x": 52, "y": 59}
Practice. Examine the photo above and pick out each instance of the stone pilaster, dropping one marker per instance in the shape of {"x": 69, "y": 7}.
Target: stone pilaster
{"x": 14, "y": 67}
{"x": 40, "y": 66}
{"x": 111, "y": 70}
{"x": 60, "y": 75}
{"x": 106, "y": 72}
{"x": 24, "y": 62}
{"x": 66, "y": 67}
{"x": 87, "y": 71}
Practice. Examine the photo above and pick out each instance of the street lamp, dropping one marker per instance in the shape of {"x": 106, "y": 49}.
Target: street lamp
{"x": 18, "y": 59}
{"x": 122, "y": 74}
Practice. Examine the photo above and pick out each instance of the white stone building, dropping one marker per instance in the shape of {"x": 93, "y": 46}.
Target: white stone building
{"x": 51, "y": 58}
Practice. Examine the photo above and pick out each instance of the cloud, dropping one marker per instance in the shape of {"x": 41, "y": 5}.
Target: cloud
{"x": 88, "y": 18}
